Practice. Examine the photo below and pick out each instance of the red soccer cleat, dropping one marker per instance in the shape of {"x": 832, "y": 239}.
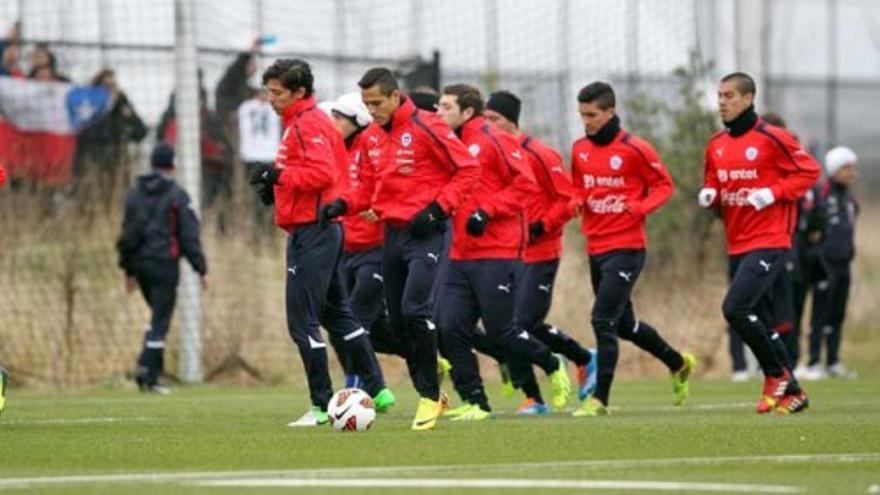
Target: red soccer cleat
{"x": 792, "y": 403}
{"x": 774, "y": 390}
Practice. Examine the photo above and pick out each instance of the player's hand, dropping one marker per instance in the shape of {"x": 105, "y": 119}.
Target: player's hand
{"x": 130, "y": 285}
{"x": 427, "y": 220}
{"x": 330, "y": 211}
{"x": 761, "y": 198}
{"x": 476, "y": 223}
{"x": 204, "y": 281}
{"x": 369, "y": 215}
{"x": 267, "y": 194}
{"x": 706, "y": 196}
{"x": 265, "y": 174}
{"x": 536, "y": 230}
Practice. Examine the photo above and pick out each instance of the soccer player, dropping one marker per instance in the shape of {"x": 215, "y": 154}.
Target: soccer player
{"x": 489, "y": 238}
{"x": 158, "y": 226}
{"x": 547, "y": 213}
{"x": 755, "y": 174}
{"x": 424, "y": 173}
{"x": 836, "y": 253}
{"x": 310, "y": 171}
{"x": 620, "y": 180}
{"x": 361, "y": 265}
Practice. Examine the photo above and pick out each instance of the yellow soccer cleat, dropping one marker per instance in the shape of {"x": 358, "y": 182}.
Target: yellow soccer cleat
{"x": 473, "y": 413}
{"x": 591, "y": 407}
{"x": 427, "y": 414}
{"x": 560, "y": 386}
{"x": 681, "y": 386}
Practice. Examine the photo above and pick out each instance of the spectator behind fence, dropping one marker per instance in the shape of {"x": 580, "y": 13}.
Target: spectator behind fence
{"x": 44, "y": 65}
{"x": 233, "y": 88}
{"x": 101, "y": 146}
{"x": 158, "y": 227}
{"x": 10, "y": 51}
{"x": 259, "y": 131}
{"x": 217, "y": 150}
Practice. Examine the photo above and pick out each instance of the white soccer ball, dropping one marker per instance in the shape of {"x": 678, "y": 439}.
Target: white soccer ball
{"x": 351, "y": 409}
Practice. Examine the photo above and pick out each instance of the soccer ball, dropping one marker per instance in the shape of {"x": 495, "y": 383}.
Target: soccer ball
{"x": 351, "y": 409}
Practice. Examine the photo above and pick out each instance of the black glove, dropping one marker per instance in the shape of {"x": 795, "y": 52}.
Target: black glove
{"x": 265, "y": 173}
{"x": 330, "y": 211}
{"x": 427, "y": 220}
{"x": 476, "y": 223}
{"x": 536, "y": 230}
{"x": 266, "y": 192}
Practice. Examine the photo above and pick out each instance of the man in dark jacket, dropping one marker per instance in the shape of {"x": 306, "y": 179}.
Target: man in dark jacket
{"x": 159, "y": 226}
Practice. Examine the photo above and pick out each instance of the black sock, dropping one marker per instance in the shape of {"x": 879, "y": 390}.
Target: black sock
{"x": 532, "y": 391}
{"x": 648, "y": 338}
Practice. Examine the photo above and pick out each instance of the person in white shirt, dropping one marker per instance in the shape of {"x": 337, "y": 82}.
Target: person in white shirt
{"x": 259, "y": 136}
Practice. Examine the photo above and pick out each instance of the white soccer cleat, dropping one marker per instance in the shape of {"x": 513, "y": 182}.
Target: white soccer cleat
{"x": 740, "y": 376}
{"x": 312, "y": 417}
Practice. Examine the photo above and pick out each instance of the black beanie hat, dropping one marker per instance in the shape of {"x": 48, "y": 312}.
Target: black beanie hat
{"x": 505, "y": 103}
{"x": 424, "y": 100}
{"x": 162, "y": 156}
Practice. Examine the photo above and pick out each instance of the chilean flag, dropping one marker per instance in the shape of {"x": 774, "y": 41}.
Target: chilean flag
{"x": 38, "y": 125}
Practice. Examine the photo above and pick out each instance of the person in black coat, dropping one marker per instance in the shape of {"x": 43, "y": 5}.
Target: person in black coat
{"x": 159, "y": 226}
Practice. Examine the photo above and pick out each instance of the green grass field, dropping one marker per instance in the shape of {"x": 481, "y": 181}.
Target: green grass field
{"x": 208, "y": 439}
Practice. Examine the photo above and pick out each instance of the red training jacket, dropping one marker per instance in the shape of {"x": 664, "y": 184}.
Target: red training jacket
{"x": 418, "y": 159}
{"x": 765, "y": 156}
{"x": 360, "y": 235}
{"x": 619, "y": 185}
{"x": 314, "y": 165}
{"x": 506, "y": 182}
{"x": 553, "y": 205}
{"x": 2, "y": 175}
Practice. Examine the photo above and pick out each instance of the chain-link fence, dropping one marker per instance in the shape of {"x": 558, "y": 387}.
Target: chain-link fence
{"x": 64, "y": 317}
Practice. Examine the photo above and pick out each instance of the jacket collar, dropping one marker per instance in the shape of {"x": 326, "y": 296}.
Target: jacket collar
{"x": 403, "y": 113}
{"x": 296, "y": 108}
{"x": 472, "y": 126}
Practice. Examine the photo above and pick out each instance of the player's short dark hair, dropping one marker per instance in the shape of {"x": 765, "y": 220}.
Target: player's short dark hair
{"x": 600, "y": 93}
{"x": 293, "y": 74}
{"x": 743, "y": 82}
{"x": 467, "y": 96}
{"x": 774, "y": 118}
{"x": 381, "y": 76}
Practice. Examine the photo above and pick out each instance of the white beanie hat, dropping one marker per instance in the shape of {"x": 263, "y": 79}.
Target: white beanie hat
{"x": 351, "y": 105}
{"x": 837, "y": 157}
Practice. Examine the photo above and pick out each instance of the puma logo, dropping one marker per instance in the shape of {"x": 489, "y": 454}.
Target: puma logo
{"x": 545, "y": 288}
{"x": 378, "y": 277}
{"x": 626, "y": 276}
{"x": 292, "y": 270}
{"x": 433, "y": 256}
{"x": 523, "y": 335}
{"x": 504, "y": 288}
{"x": 765, "y": 265}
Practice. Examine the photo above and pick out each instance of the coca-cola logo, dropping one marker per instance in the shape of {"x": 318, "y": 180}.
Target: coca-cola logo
{"x": 611, "y": 204}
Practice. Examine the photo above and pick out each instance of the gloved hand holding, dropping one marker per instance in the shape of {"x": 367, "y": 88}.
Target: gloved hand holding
{"x": 265, "y": 174}
{"x": 330, "y": 211}
{"x": 761, "y": 198}
{"x": 427, "y": 220}
{"x": 536, "y": 230}
{"x": 476, "y": 223}
{"x": 707, "y": 196}
{"x": 266, "y": 192}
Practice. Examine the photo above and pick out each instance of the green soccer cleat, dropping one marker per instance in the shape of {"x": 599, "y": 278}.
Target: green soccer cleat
{"x": 443, "y": 369}
{"x": 591, "y": 407}
{"x": 4, "y": 379}
{"x": 560, "y": 385}
{"x": 384, "y": 400}
{"x": 473, "y": 413}
{"x": 507, "y": 388}
{"x": 681, "y": 385}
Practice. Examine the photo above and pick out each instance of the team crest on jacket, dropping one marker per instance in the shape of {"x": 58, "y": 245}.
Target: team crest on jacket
{"x": 751, "y": 153}
{"x": 474, "y": 149}
{"x": 406, "y": 139}
{"x": 615, "y": 162}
